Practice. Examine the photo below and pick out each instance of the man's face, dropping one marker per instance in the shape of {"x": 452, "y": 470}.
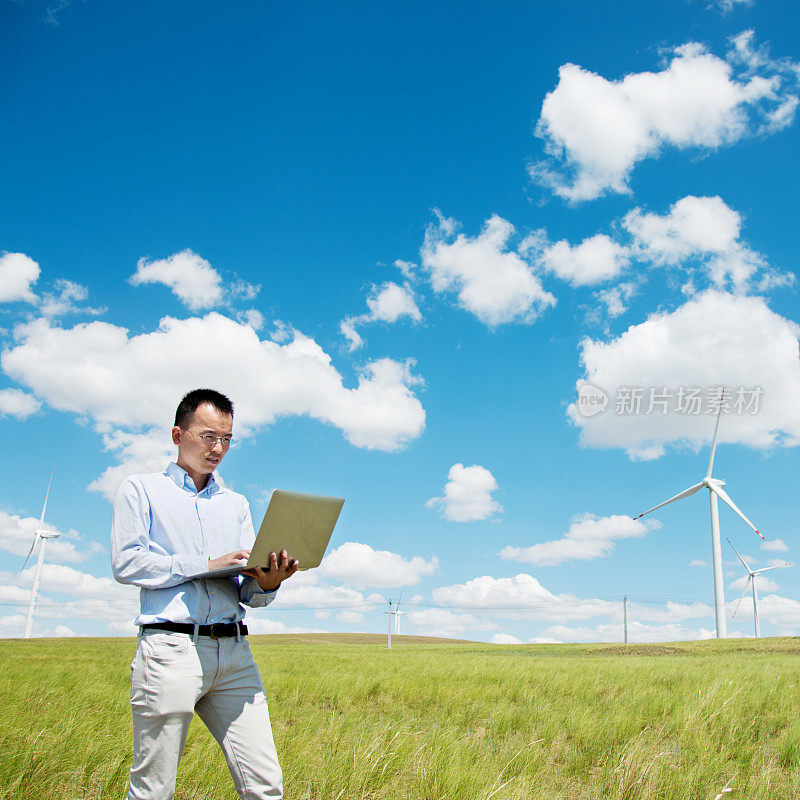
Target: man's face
{"x": 193, "y": 452}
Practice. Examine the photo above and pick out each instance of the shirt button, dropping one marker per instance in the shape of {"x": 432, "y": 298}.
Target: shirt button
{"x": 213, "y": 592}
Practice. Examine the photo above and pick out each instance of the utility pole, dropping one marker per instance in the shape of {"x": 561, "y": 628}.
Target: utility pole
{"x": 625, "y": 616}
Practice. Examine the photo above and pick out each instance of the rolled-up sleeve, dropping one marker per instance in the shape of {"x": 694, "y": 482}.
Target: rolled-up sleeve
{"x": 135, "y": 558}
{"x": 250, "y": 593}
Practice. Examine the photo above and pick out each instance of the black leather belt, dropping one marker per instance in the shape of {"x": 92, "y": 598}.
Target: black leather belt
{"x": 219, "y": 630}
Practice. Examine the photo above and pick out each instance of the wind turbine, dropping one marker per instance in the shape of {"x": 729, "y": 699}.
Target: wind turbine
{"x": 715, "y": 490}
{"x": 397, "y": 614}
{"x": 44, "y": 535}
{"x": 751, "y": 576}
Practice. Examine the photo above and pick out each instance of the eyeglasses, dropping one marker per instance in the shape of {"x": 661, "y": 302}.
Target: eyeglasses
{"x": 209, "y": 440}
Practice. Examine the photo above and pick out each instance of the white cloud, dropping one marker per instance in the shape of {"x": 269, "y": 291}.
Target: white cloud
{"x": 596, "y": 259}
{"x": 765, "y": 584}
{"x": 450, "y": 624}
{"x": 726, "y": 6}
{"x": 596, "y": 130}
{"x": 252, "y": 317}
{"x": 193, "y": 280}
{"x": 17, "y": 534}
{"x": 504, "y": 638}
{"x": 521, "y": 597}
{"x": 306, "y": 589}
{"x": 698, "y": 562}
{"x": 15, "y": 403}
{"x": 92, "y": 598}
{"x": 704, "y": 229}
{"x": 492, "y": 282}
{"x": 359, "y": 565}
{"x": 715, "y": 339}
{"x": 467, "y": 494}
{"x": 775, "y": 546}
{"x": 386, "y": 303}
{"x": 588, "y": 537}
{"x": 65, "y": 299}
{"x": 261, "y": 625}
{"x": 96, "y": 369}
{"x": 351, "y": 617}
{"x": 637, "y": 632}
{"x": 17, "y": 273}
{"x": 136, "y": 453}
{"x": 782, "y": 612}
{"x": 614, "y": 300}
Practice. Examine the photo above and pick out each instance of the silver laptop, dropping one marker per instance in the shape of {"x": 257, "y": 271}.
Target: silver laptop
{"x": 301, "y": 524}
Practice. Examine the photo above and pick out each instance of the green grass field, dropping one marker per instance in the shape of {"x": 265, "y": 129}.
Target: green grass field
{"x": 434, "y": 720}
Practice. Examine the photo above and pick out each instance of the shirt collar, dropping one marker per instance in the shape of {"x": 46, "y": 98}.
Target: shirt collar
{"x": 184, "y": 481}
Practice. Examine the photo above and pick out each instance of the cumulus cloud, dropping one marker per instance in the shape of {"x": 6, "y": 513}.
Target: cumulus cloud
{"x": 359, "y": 565}
{"x": 596, "y": 130}
{"x": 79, "y": 596}
{"x": 588, "y": 537}
{"x": 504, "y": 638}
{"x": 491, "y": 281}
{"x": 192, "y": 279}
{"x": 446, "y": 623}
{"x": 97, "y": 370}
{"x": 698, "y": 562}
{"x": 18, "y": 273}
{"x": 775, "y": 545}
{"x": 651, "y": 372}
{"x": 467, "y": 495}
{"x": 386, "y": 303}
{"x": 765, "y": 584}
{"x": 65, "y": 298}
{"x": 701, "y": 229}
{"x": 637, "y": 632}
{"x": 17, "y": 534}
{"x": 15, "y": 403}
{"x": 595, "y": 260}
{"x": 520, "y": 597}
{"x": 135, "y": 453}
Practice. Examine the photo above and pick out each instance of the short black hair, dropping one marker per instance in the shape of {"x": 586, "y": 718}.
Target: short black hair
{"x": 198, "y": 397}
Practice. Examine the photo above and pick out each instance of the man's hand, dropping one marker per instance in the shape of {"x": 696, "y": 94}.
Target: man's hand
{"x": 277, "y": 572}
{"x": 234, "y": 559}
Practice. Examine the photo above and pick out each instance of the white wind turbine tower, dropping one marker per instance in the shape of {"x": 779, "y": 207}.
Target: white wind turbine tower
{"x": 37, "y": 577}
{"x": 751, "y": 576}
{"x": 715, "y": 490}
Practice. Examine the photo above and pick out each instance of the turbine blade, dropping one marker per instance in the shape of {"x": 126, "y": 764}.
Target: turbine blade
{"x": 41, "y": 519}
{"x": 47, "y": 494}
{"x": 749, "y": 578}
{"x": 740, "y": 557}
{"x": 767, "y": 569}
{"x": 685, "y": 493}
{"x": 33, "y": 544}
{"x": 723, "y": 495}
{"x": 714, "y": 440}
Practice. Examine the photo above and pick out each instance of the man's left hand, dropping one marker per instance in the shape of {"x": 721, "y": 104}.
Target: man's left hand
{"x": 278, "y": 571}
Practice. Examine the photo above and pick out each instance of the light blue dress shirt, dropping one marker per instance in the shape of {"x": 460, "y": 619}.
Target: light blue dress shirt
{"x": 163, "y": 534}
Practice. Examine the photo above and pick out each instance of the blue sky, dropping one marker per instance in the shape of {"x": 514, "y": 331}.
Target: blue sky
{"x": 401, "y": 240}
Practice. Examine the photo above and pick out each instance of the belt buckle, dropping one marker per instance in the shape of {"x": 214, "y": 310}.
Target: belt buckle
{"x": 211, "y": 633}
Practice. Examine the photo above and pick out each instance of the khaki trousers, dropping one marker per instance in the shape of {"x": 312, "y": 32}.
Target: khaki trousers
{"x": 171, "y": 678}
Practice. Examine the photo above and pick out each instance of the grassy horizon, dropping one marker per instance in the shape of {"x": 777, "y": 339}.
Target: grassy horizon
{"x": 433, "y": 720}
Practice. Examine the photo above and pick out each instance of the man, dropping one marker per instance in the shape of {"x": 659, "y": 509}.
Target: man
{"x": 192, "y": 653}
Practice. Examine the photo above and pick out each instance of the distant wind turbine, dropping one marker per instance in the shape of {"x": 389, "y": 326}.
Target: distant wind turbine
{"x": 397, "y": 615}
{"x": 715, "y": 490}
{"x": 44, "y": 535}
{"x": 751, "y": 576}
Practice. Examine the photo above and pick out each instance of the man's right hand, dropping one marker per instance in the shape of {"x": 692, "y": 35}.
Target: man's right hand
{"x": 236, "y": 559}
